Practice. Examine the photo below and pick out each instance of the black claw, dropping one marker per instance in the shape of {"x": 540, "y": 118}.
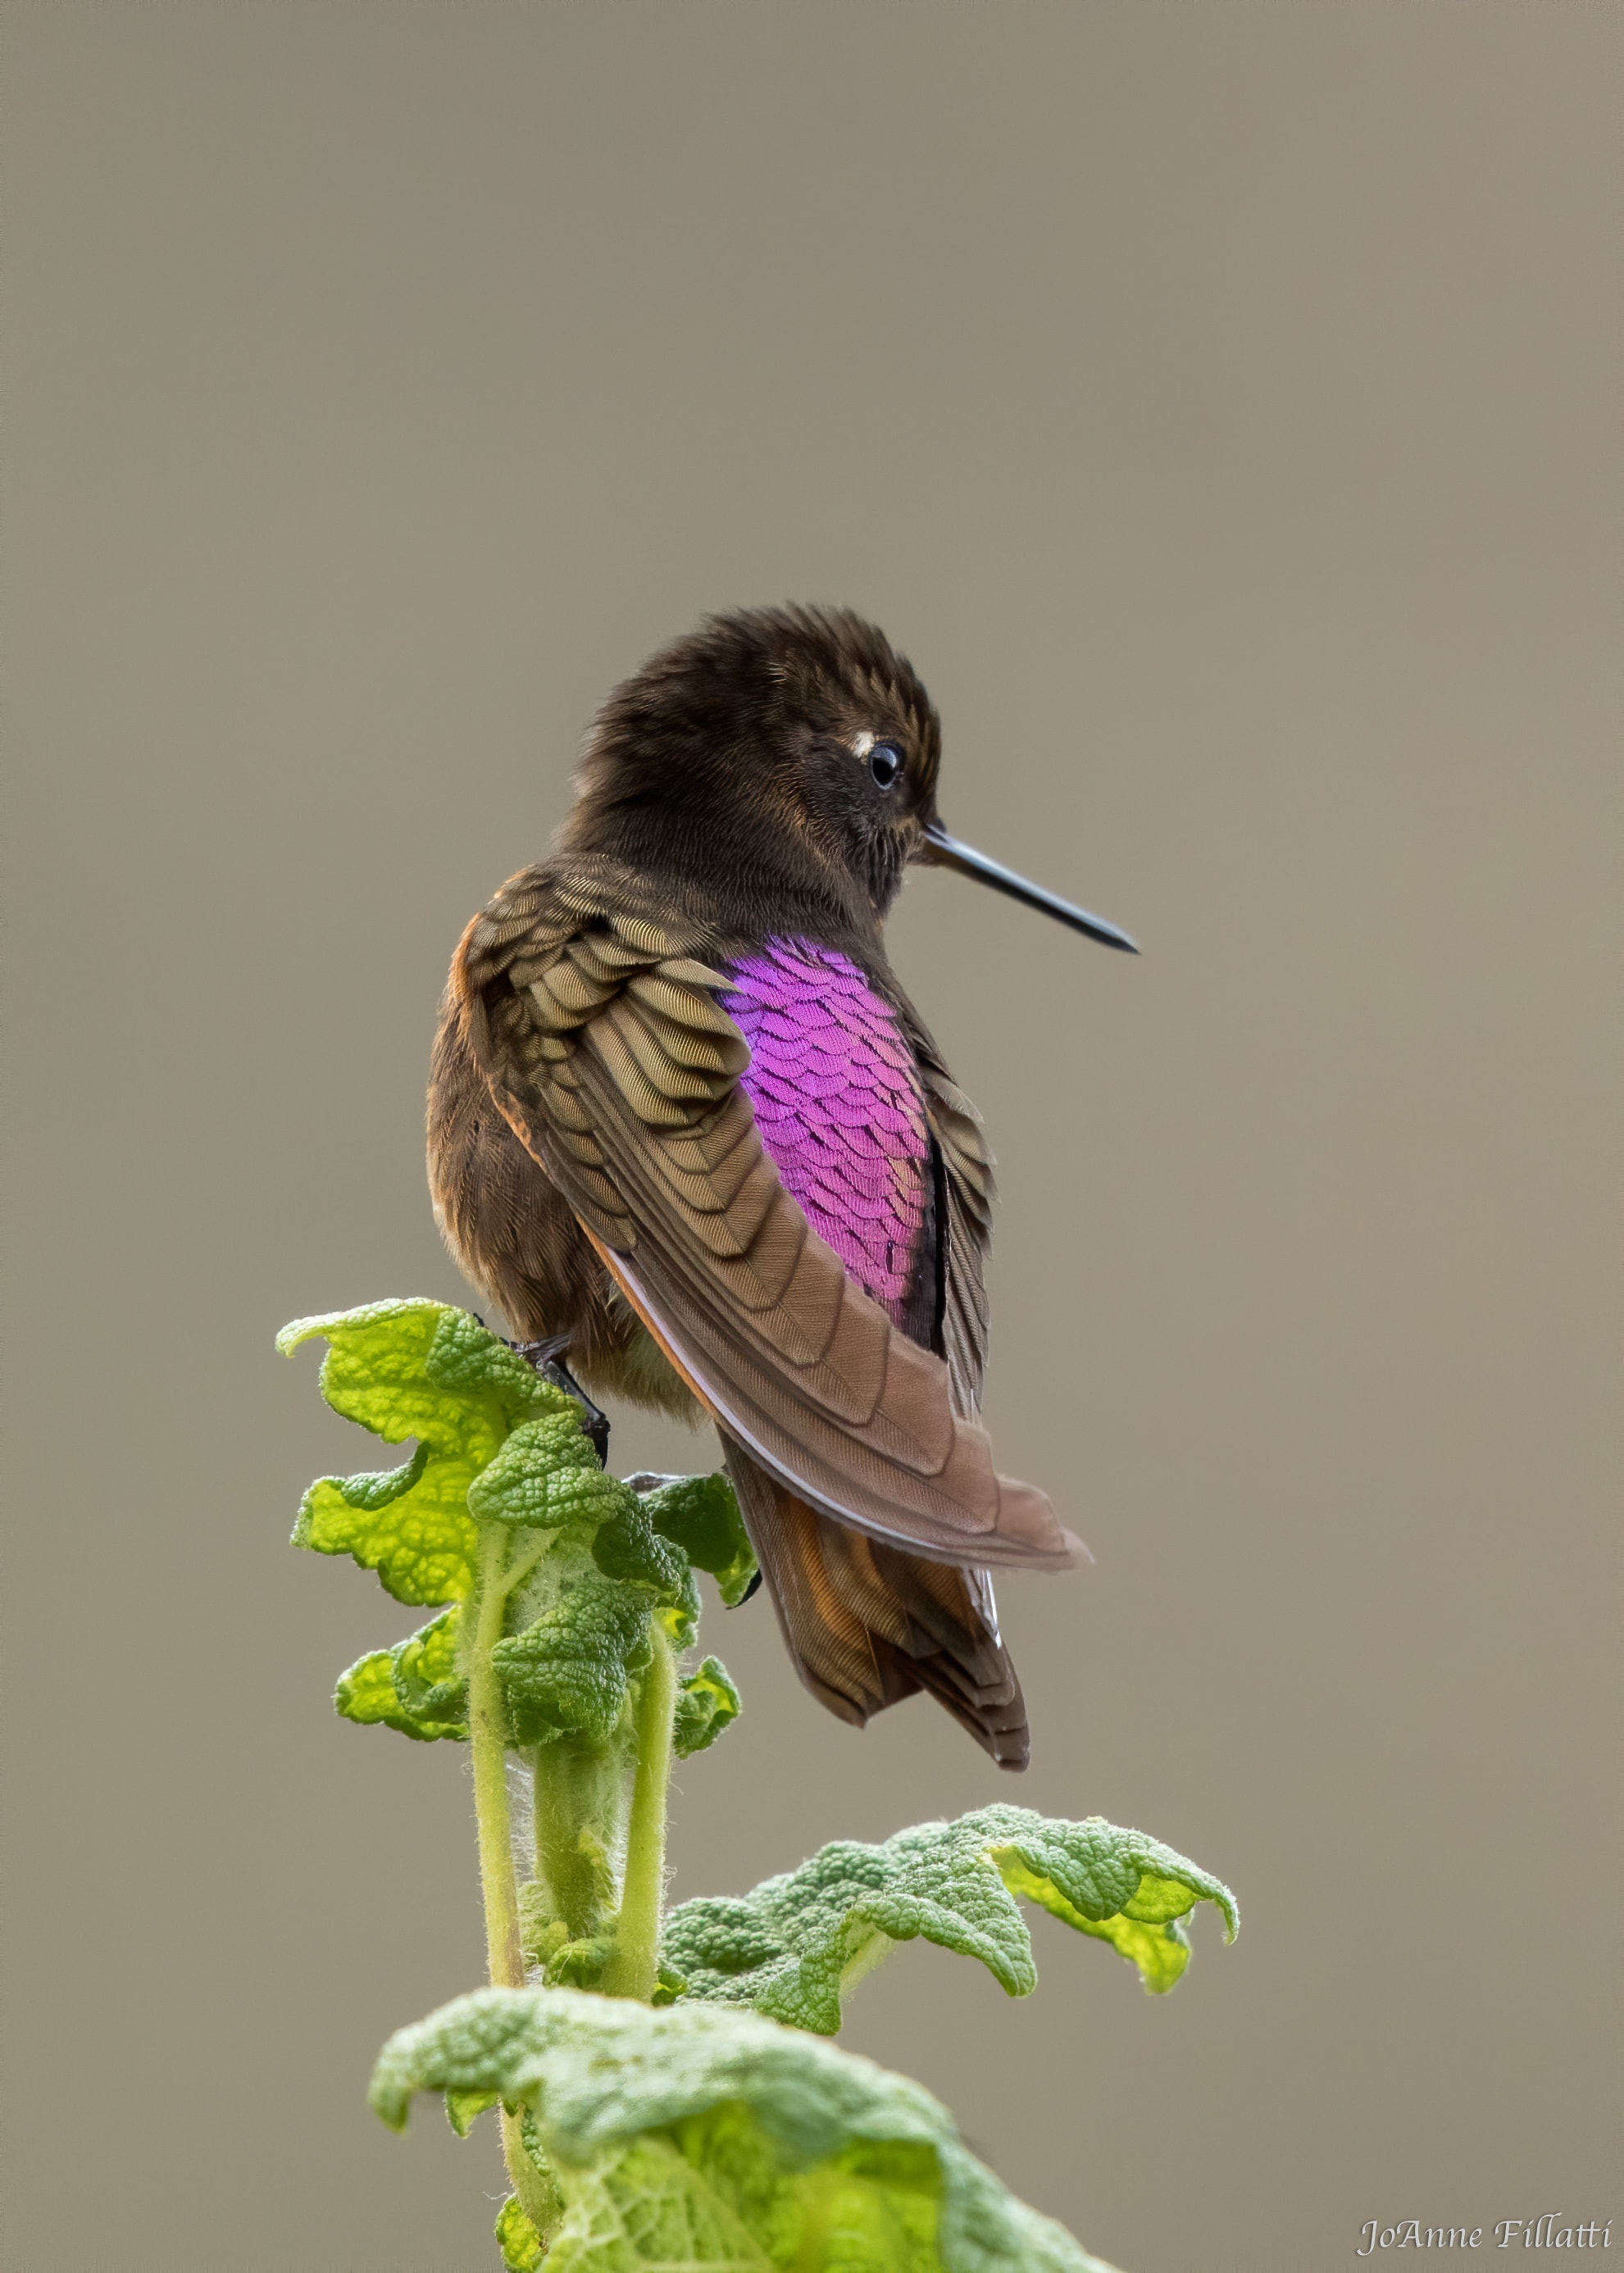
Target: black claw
{"x": 545, "y": 1356}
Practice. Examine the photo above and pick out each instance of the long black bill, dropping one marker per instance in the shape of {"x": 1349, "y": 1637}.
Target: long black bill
{"x": 946, "y": 852}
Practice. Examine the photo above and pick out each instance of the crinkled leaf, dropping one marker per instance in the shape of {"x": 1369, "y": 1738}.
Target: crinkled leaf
{"x": 711, "y": 2140}
{"x": 701, "y": 1515}
{"x": 629, "y": 1548}
{"x": 568, "y": 1961}
{"x": 546, "y": 1474}
{"x": 518, "y": 2238}
{"x": 466, "y": 1360}
{"x": 795, "y": 1944}
{"x": 426, "y": 1369}
{"x": 579, "y": 1964}
{"x": 415, "y": 1687}
{"x": 546, "y": 1477}
{"x": 569, "y": 1671}
{"x": 680, "y": 1620}
{"x": 365, "y": 1692}
{"x": 372, "y": 1372}
{"x": 646, "y": 2204}
{"x": 1146, "y": 1930}
{"x": 428, "y": 1678}
{"x": 706, "y": 1703}
{"x": 410, "y": 1525}
{"x": 418, "y": 1369}
{"x": 496, "y": 1443}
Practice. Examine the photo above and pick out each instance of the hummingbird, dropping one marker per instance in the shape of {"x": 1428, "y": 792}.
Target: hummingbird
{"x": 685, "y": 1129}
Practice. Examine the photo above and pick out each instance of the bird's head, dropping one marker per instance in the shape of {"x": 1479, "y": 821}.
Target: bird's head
{"x": 779, "y": 753}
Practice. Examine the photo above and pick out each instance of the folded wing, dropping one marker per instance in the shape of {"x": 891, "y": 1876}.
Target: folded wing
{"x": 606, "y": 1049}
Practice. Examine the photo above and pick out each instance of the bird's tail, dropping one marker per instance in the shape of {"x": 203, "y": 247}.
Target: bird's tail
{"x": 866, "y": 1623}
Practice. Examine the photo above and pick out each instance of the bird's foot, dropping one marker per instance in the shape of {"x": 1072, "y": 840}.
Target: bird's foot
{"x": 545, "y": 1356}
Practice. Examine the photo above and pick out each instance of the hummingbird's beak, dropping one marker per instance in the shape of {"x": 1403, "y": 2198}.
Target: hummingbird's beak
{"x": 945, "y": 852}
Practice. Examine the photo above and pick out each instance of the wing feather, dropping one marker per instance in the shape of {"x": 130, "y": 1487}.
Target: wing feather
{"x": 966, "y": 1233}
{"x": 866, "y": 1625}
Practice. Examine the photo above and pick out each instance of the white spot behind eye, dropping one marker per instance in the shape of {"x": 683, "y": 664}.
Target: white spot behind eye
{"x": 861, "y": 744}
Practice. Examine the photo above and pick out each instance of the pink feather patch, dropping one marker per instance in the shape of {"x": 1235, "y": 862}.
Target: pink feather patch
{"x": 832, "y": 1085}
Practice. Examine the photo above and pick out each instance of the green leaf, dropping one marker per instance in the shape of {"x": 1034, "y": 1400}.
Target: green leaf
{"x": 410, "y": 1525}
{"x": 466, "y": 1360}
{"x": 629, "y": 1548}
{"x": 717, "y": 2139}
{"x": 426, "y": 1370}
{"x": 668, "y": 1987}
{"x": 496, "y": 1443}
{"x": 421, "y": 1368}
{"x": 701, "y": 1515}
{"x": 518, "y": 2238}
{"x": 799, "y": 1943}
{"x": 569, "y": 1671}
{"x": 365, "y": 1692}
{"x": 1146, "y": 1930}
{"x": 707, "y": 1702}
{"x": 415, "y": 1687}
{"x": 680, "y": 1620}
{"x": 428, "y": 1677}
{"x": 547, "y": 1475}
{"x": 464, "y": 2108}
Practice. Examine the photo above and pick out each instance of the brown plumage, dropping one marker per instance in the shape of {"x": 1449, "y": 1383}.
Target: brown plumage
{"x": 599, "y": 1170}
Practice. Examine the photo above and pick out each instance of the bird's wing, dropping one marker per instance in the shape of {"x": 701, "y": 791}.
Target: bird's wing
{"x": 606, "y": 1049}
{"x": 964, "y": 1227}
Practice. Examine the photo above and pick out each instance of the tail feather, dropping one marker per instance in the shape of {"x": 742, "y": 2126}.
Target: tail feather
{"x": 866, "y": 1623}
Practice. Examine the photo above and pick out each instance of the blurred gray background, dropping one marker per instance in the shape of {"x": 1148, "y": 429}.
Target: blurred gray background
{"x": 1216, "y": 402}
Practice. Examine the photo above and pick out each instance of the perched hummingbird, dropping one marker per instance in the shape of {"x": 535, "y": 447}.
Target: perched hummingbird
{"x": 686, "y": 1128}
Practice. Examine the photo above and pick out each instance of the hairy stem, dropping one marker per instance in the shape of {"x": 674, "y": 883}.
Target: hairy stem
{"x": 487, "y": 1731}
{"x": 634, "y": 1968}
{"x": 577, "y": 1805}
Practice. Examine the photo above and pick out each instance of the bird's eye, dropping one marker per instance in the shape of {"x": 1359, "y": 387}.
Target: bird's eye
{"x": 884, "y": 763}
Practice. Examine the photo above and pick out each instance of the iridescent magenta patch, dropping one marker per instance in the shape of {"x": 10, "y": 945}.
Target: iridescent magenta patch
{"x": 832, "y": 1081}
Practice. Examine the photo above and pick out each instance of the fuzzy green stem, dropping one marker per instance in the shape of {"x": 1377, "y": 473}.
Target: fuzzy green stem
{"x": 577, "y": 1804}
{"x": 634, "y": 1968}
{"x": 487, "y": 1729}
